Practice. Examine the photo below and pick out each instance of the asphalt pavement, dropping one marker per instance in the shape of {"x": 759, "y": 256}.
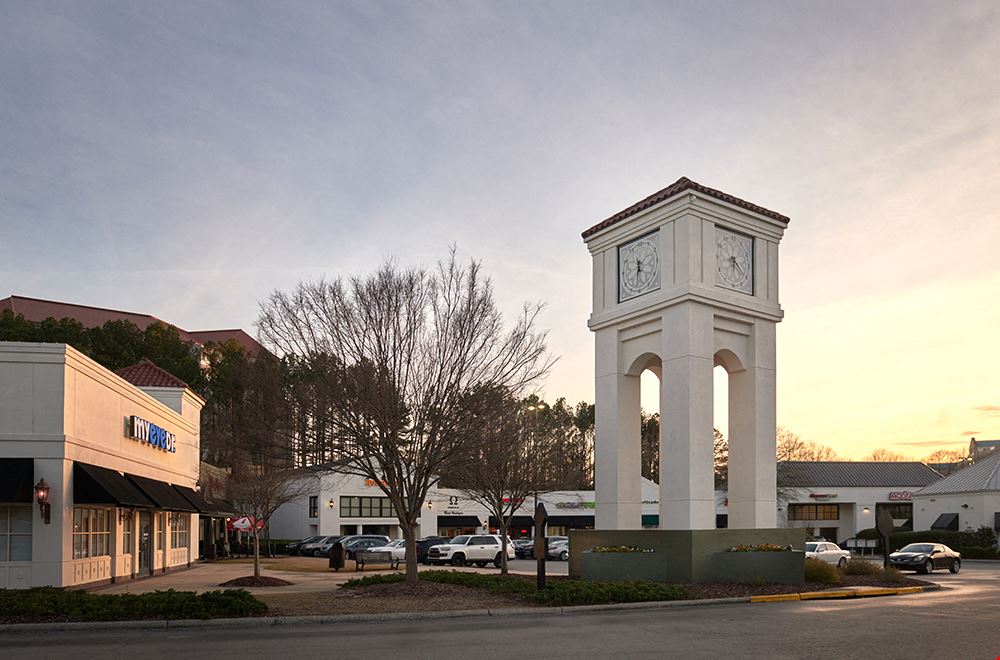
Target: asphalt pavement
{"x": 956, "y": 623}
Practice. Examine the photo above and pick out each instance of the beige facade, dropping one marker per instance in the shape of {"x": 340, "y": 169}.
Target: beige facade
{"x": 62, "y": 410}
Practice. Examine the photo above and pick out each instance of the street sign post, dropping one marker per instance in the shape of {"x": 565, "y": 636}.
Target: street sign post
{"x": 541, "y": 543}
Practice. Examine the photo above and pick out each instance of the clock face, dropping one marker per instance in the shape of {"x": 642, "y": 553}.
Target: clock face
{"x": 734, "y": 261}
{"x": 638, "y": 267}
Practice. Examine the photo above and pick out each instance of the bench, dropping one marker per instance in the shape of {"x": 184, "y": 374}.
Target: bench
{"x": 364, "y": 557}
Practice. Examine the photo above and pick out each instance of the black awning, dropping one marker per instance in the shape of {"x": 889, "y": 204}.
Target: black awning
{"x": 98, "y": 485}
{"x": 459, "y": 521}
{"x": 162, "y": 494}
{"x": 517, "y": 522}
{"x": 17, "y": 477}
{"x": 947, "y": 521}
{"x": 575, "y": 522}
{"x": 205, "y": 508}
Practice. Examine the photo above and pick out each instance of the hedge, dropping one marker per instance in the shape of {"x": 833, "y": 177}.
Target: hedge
{"x": 53, "y": 604}
{"x": 984, "y": 537}
{"x": 818, "y": 570}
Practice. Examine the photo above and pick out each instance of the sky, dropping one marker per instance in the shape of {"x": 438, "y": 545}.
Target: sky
{"x": 186, "y": 159}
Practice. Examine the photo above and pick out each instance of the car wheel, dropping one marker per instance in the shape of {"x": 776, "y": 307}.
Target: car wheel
{"x": 842, "y": 563}
{"x": 564, "y": 556}
{"x": 481, "y": 564}
{"x": 497, "y": 561}
{"x": 458, "y": 560}
{"x": 929, "y": 567}
{"x": 317, "y": 553}
{"x": 956, "y": 566}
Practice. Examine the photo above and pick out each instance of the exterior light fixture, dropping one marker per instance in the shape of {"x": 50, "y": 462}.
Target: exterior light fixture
{"x": 430, "y": 505}
{"x": 125, "y": 515}
{"x": 965, "y": 506}
{"x": 330, "y": 503}
{"x": 42, "y": 496}
{"x": 866, "y": 510}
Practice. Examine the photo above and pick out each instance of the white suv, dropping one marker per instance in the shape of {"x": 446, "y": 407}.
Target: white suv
{"x": 479, "y": 549}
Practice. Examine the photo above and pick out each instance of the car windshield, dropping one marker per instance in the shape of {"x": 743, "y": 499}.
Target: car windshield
{"x": 811, "y": 547}
{"x": 396, "y": 544}
{"x": 460, "y": 540}
{"x": 918, "y": 547}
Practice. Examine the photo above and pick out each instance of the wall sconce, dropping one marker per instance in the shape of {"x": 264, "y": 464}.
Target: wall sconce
{"x": 42, "y": 495}
{"x": 965, "y": 506}
{"x": 866, "y": 510}
{"x": 330, "y": 503}
{"x": 125, "y": 515}
{"x": 430, "y": 505}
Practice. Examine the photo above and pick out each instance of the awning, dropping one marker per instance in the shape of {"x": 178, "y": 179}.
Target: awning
{"x": 517, "y": 522}
{"x": 98, "y": 485}
{"x": 574, "y": 522}
{"x": 162, "y": 494}
{"x": 459, "y": 521}
{"x": 206, "y": 508}
{"x": 17, "y": 480}
{"x": 947, "y": 521}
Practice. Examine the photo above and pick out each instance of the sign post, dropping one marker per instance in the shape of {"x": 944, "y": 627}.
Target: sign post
{"x": 540, "y": 542}
{"x": 884, "y": 524}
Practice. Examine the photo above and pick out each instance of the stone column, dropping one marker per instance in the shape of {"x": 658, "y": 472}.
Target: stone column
{"x": 687, "y": 499}
{"x": 618, "y": 493}
{"x": 752, "y": 421}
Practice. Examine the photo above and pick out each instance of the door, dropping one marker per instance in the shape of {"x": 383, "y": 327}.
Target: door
{"x": 145, "y": 566}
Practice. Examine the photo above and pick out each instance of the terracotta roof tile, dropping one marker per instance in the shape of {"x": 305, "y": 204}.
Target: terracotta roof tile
{"x": 681, "y": 185}
{"x": 147, "y": 374}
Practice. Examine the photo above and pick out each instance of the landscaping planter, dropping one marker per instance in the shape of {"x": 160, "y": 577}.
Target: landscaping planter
{"x": 620, "y": 566}
{"x": 786, "y": 567}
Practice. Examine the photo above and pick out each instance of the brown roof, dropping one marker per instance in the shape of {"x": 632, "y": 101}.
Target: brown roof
{"x": 249, "y": 344}
{"x": 680, "y": 185}
{"x": 147, "y": 374}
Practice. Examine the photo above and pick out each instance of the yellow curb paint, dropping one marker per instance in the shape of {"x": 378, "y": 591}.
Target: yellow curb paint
{"x": 910, "y": 590}
{"x": 817, "y": 595}
{"x": 774, "y": 598}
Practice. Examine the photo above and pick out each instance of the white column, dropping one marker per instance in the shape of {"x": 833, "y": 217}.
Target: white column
{"x": 687, "y": 499}
{"x": 618, "y": 493}
{"x": 752, "y": 421}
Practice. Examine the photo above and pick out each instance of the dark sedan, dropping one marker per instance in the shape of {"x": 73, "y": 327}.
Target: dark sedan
{"x": 425, "y": 544}
{"x": 293, "y": 548}
{"x": 925, "y": 558}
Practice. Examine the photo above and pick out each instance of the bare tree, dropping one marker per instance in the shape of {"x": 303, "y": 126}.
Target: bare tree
{"x": 887, "y": 455}
{"x": 502, "y": 470}
{"x": 258, "y": 490}
{"x": 394, "y": 368}
{"x": 791, "y": 447}
{"x": 946, "y": 456}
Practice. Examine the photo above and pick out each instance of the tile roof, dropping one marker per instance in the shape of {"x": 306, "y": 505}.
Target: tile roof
{"x": 982, "y": 475}
{"x": 147, "y": 374}
{"x": 677, "y": 187}
{"x": 854, "y": 474}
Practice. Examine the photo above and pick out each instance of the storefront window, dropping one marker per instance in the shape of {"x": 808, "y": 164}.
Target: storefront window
{"x": 161, "y": 530}
{"x": 15, "y": 533}
{"x": 180, "y": 526}
{"x": 91, "y": 532}
{"x": 314, "y": 506}
{"x": 127, "y": 535}
{"x": 814, "y": 512}
{"x": 366, "y": 507}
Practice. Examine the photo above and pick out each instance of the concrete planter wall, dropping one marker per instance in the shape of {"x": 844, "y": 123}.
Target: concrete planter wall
{"x": 769, "y": 567}
{"x": 620, "y": 566}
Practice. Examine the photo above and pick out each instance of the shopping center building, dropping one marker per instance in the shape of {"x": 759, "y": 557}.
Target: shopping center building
{"x": 98, "y": 470}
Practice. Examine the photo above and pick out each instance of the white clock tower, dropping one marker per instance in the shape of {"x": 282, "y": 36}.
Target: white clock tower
{"x": 685, "y": 280}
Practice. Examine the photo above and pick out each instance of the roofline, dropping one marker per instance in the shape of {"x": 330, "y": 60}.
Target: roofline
{"x": 103, "y": 309}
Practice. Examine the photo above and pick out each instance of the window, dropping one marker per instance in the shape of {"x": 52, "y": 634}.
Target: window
{"x": 314, "y": 506}
{"x": 127, "y": 534}
{"x": 898, "y": 510}
{"x": 161, "y": 530}
{"x": 180, "y": 530}
{"x": 814, "y": 512}
{"x": 366, "y": 507}
{"x": 91, "y": 532}
{"x": 15, "y": 533}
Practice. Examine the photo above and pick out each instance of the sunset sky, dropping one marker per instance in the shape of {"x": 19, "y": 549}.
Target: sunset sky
{"x": 185, "y": 159}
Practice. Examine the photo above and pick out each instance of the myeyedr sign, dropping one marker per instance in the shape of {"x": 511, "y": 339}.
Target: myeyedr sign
{"x": 151, "y": 434}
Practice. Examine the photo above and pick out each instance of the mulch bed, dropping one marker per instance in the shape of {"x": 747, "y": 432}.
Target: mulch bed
{"x": 739, "y": 590}
{"x": 251, "y": 581}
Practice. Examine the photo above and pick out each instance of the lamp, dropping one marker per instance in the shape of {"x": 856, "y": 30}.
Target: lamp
{"x": 42, "y": 495}
{"x": 965, "y": 506}
{"x": 866, "y": 510}
{"x": 330, "y": 503}
{"x": 125, "y": 515}
{"x": 430, "y": 505}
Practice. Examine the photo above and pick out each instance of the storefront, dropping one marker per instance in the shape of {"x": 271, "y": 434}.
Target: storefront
{"x": 97, "y": 470}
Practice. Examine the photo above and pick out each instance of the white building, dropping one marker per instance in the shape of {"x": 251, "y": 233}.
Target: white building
{"x": 121, "y": 462}
{"x": 964, "y": 500}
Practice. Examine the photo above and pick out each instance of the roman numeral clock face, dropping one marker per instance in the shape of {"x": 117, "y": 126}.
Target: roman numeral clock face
{"x": 638, "y": 267}
{"x": 734, "y": 261}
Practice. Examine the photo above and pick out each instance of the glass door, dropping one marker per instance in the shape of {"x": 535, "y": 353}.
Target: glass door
{"x": 145, "y": 544}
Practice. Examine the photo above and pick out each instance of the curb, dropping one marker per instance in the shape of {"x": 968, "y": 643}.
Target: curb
{"x": 256, "y": 622}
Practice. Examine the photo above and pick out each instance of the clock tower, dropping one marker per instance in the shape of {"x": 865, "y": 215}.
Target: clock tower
{"x": 684, "y": 281}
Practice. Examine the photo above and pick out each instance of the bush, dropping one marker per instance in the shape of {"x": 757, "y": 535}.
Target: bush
{"x": 860, "y": 567}
{"x": 979, "y": 552}
{"x": 818, "y": 570}
{"x": 984, "y": 537}
{"x": 48, "y": 603}
{"x": 890, "y": 574}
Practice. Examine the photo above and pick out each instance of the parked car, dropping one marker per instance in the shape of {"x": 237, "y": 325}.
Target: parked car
{"x": 558, "y": 549}
{"x": 353, "y": 544}
{"x": 478, "y": 549}
{"x": 549, "y": 540}
{"x": 397, "y": 548}
{"x": 828, "y": 552}
{"x": 318, "y": 548}
{"x": 293, "y": 548}
{"x": 523, "y": 548}
{"x": 925, "y": 557}
{"x": 425, "y": 544}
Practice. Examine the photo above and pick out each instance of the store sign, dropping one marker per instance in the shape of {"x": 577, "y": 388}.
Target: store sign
{"x": 574, "y": 505}
{"x": 151, "y": 434}
{"x": 822, "y": 496}
{"x": 371, "y": 483}
{"x": 900, "y": 496}
{"x": 454, "y": 507}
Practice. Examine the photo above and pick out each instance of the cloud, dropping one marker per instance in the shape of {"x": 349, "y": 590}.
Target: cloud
{"x": 989, "y": 411}
{"x": 968, "y": 433}
{"x": 930, "y": 443}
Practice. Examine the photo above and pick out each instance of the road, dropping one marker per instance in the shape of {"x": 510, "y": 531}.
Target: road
{"x": 957, "y": 623}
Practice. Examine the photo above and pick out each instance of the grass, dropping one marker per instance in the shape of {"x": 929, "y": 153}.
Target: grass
{"x": 556, "y": 593}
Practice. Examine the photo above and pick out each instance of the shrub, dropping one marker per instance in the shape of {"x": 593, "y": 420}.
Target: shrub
{"x": 760, "y": 547}
{"x": 982, "y": 537}
{"x": 620, "y": 548}
{"x": 860, "y": 567}
{"x": 818, "y": 570}
{"x": 978, "y": 552}
{"x": 890, "y": 574}
{"x": 46, "y": 603}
